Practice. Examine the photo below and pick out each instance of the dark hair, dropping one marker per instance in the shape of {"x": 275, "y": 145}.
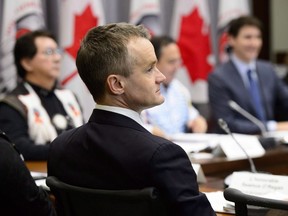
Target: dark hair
{"x": 159, "y": 42}
{"x": 103, "y": 51}
{"x": 25, "y": 47}
{"x": 236, "y": 24}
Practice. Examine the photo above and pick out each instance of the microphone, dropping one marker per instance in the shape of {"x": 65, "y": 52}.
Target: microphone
{"x": 233, "y": 105}
{"x": 225, "y": 127}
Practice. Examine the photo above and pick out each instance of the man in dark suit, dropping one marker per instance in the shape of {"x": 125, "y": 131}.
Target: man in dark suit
{"x": 251, "y": 83}
{"x": 113, "y": 150}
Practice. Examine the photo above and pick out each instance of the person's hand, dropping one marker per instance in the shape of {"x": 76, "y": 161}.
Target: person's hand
{"x": 158, "y": 132}
{"x": 198, "y": 125}
{"x": 282, "y": 126}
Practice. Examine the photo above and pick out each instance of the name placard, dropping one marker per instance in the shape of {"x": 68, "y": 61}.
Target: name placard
{"x": 249, "y": 143}
{"x": 259, "y": 184}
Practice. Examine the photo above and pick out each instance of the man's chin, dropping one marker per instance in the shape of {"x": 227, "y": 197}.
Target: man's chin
{"x": 159, "y": 102}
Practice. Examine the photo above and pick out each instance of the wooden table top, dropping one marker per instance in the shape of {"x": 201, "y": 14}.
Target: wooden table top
{"x": 274, "y": 161}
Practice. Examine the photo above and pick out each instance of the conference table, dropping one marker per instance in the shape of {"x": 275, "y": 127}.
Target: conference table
{"x": 274, "y": 161}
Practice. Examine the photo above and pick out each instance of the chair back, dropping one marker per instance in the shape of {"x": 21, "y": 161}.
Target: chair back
{"x": 78, "y": 201}
{"x": 242, "y": 201}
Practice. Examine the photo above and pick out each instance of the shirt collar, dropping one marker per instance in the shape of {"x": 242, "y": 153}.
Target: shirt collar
{"x": 243, "y": 66}
{"x": 123, "y": 111}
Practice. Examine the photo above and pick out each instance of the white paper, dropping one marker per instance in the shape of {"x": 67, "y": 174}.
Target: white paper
{"x": 42, "y": 183}
{"x": 38, "y": 175}
{"x": 195, "y": 142}
{"x": 278, "y": 135}
{"x": 194, "y": 137}
{"x": 219, "y": 203}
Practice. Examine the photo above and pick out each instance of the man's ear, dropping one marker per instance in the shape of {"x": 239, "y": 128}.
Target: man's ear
{"x": 116, "y": 84}
{"x": 26, "y": 64}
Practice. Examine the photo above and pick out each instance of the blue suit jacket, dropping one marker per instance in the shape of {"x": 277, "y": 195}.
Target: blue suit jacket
{"x": 113, "y": 151}
{"x": 225, "y": 84}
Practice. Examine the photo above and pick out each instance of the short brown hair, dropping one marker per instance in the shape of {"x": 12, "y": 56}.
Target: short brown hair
{"x": 103, "y": 51}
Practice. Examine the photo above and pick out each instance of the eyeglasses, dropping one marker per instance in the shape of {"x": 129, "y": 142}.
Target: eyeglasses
{"x": 50, "y": 51}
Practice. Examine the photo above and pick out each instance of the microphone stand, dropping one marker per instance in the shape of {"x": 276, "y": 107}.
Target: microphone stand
{"x": 232, "y": 104}
{"x": 225, "y": 127}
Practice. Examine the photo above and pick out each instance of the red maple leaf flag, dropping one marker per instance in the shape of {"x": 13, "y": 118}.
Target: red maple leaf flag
{"x": 146, "y": 12}
{"x": 77, "y": 18}
{"x": 228, "y": 10}
{"x": 191, "y": 29}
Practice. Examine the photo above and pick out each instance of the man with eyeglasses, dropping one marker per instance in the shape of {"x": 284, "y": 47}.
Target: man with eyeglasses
{"x": 37, "y": 111}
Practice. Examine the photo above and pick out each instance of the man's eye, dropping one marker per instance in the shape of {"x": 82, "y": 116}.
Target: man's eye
{"x": 150, "y": 69}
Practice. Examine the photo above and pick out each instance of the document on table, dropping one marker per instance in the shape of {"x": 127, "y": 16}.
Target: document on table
{"x": 281, "y": 136}
{"x": 219, "y": 203}
{"x": 193, "y": 142}
{"x": 220, "y": 145}
{"x": 42, "y": 183}
{"x": 38, "y": 175}
{"x": 40, "y": 179}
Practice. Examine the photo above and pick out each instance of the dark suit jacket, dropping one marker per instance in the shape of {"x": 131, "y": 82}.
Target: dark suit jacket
{"x": 225, "y": 84}
{"x": 113, "y": 151}
{"x": 19, "y": 195}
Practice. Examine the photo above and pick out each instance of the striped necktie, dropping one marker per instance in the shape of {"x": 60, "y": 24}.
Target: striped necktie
{"x": 256, "y": 96}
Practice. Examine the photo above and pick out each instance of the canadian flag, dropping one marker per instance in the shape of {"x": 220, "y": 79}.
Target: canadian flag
{"x": 146, "y": 12}
{"x": 19, "y": 17}
{"x": 228, "y": 10}
{"x": 191, "y": 29}
{"x": 77, "y": 17}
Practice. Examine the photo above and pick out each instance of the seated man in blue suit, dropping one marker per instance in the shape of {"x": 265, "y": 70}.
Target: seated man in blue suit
{"x": 251, "y": 83}
{"x": 113, "y": 150}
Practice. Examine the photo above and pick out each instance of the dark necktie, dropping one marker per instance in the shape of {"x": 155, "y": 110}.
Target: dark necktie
{"x": 256, "y": 96}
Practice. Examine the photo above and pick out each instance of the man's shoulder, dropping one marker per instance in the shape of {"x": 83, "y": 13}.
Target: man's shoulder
{"x": 156, "y": 143}
{"x": 263, "y": 64}
{"x": 68, "y": 134}
{"x": 221, "y": 72}
{"x": 223, "y": 68}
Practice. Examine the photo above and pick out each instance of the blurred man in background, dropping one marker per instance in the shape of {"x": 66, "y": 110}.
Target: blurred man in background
{"x": 251, "y": 83}
{"x": 36, "y": 111}
{"x": 176, "y": 114}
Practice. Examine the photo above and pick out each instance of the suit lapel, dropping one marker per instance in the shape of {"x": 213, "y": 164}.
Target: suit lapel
{"x": 243, "y": 94}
